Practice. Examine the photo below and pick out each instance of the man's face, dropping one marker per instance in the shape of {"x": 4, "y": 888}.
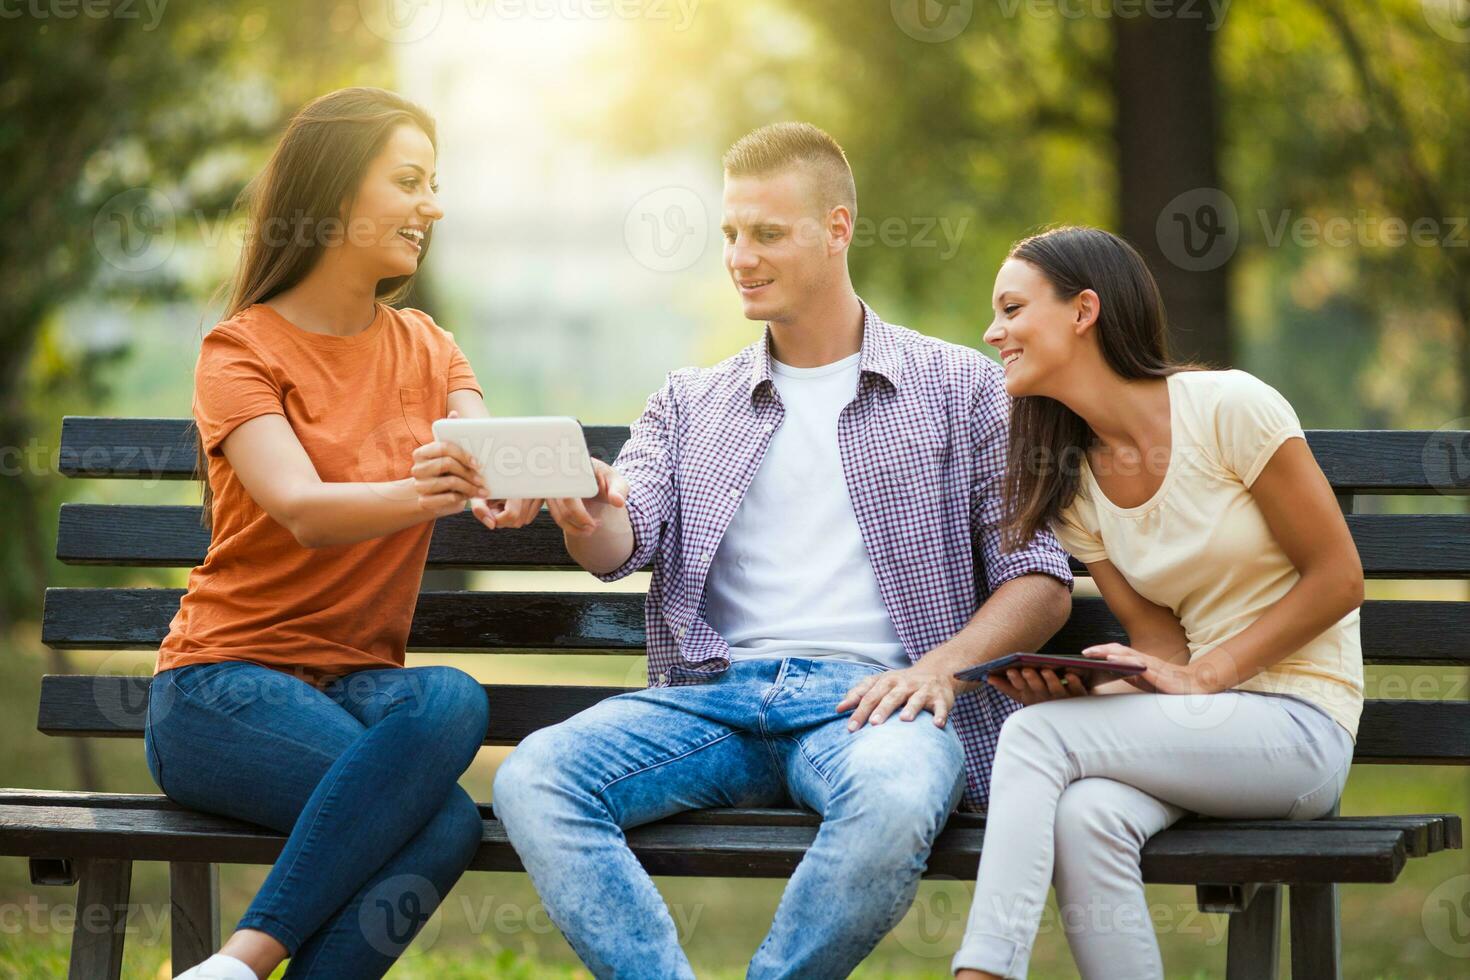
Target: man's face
{"x": 779, "y": 245}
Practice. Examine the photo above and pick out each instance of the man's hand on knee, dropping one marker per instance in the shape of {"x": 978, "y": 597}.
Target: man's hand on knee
{"x": 912, "y": 689}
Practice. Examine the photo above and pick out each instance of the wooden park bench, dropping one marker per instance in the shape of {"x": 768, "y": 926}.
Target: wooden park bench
{"x": 1239, "y": 867}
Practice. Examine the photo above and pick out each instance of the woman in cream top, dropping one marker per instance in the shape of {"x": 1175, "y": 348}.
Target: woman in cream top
{"x": 1215, "y": 540}
{"x": 1200, "y": 546}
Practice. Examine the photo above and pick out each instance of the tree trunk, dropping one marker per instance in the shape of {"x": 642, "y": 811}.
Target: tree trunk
{"x": 1166, "y": 133}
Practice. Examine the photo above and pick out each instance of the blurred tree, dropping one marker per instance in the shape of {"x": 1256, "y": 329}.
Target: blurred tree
{"x": 1334, "y": 182}
{"x": 1032, "y": 113}
{"x": 115, "y": 131}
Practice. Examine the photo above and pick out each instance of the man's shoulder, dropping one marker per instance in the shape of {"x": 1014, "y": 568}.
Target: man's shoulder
{"x": 691, "y": 385}
{"x": 956, "y": 368}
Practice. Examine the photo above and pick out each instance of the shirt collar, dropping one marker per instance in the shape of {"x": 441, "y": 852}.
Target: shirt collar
{"x": 880, "y": 353}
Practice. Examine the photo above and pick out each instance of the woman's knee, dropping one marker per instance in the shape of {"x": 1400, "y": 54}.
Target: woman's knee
{"x": 459, "y": 827}
{"x": 1095, "y": 814}
{"x": 453, "y": 707}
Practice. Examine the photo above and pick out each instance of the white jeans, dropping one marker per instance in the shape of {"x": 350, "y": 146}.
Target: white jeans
{"x": 1079, "y": 786}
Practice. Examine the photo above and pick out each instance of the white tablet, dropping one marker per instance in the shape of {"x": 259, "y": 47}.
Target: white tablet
{"x": 526, "y": 458}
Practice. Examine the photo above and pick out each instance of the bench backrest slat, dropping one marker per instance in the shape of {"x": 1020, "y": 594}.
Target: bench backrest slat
{"x": 1428, "y": 732}
{"x": 148, "y": 535}
{"x": 1402, "y": 632}
{"x": 1389, "y": 461}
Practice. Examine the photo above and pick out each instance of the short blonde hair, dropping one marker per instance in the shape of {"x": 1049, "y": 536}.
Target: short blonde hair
{"x": 780, "y": 146}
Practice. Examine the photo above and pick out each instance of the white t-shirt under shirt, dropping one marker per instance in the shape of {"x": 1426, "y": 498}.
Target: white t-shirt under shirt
{"x": 1201, "y": 546}
{"x": 792, "y": 577}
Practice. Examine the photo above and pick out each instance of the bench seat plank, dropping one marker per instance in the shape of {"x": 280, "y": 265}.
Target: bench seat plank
{"x": 1424, "y": 833}
{"x": 1190, "y": 853}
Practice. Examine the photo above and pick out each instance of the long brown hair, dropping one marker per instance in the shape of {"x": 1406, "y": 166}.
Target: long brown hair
{"x": 1048, "y": 441}
{"x": 296, "y": 203}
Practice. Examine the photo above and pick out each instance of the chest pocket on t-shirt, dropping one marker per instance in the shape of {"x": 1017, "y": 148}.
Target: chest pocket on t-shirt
{"x": 418, "y": 414}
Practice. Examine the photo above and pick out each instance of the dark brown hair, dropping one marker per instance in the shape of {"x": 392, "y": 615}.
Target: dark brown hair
{"x": 296, "y": 204}
{"x": 1048, "y": 441}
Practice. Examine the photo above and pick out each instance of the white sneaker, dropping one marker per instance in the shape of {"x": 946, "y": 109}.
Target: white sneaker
{"x": 219, "y": 967}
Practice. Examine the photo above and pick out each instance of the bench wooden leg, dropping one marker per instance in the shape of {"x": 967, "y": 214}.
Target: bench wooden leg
{"x": 193, "y": 912}
{"x": 1253, "y": 944}
{"x": 102, "y": 918}
{"x": 1316, "y": 943}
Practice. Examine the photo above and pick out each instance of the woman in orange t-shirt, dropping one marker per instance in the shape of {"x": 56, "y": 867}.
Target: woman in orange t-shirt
{"x": 281, "y": 697}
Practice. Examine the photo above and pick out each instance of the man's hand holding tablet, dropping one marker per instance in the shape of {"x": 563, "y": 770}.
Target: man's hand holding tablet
{"x": 1032, "y": 677}
{"x": 583, "y": 516}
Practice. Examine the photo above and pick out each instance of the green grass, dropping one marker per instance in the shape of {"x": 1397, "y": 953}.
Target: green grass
{"x": 493, "y": 926}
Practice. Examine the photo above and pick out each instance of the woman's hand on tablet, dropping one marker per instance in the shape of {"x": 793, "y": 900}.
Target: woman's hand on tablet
{"x": 1030, "y": 686}
{"x": 582, "y": 517}
{"x": 444, "y": 477}
{"x": 1209, "y": 674}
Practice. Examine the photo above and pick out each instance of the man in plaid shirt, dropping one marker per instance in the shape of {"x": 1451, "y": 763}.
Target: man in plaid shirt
{"x": 822, "y": 514}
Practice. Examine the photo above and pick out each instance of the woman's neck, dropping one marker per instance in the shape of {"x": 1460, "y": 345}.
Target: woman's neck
{"x": 330, "y": 299}
{"x": 1124, "y": 413}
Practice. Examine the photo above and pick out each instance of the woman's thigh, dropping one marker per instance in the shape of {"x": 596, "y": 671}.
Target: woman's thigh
{"x": 243, "y": 740}
{"x": 1235, "y": 754}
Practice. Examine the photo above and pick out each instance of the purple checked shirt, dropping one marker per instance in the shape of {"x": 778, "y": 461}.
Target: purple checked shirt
{"x": 923, "y": 447}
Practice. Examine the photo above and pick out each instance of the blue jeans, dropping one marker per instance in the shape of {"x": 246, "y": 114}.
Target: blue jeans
{"x": 763, "y": 733}
{"x": 362, "y": 777}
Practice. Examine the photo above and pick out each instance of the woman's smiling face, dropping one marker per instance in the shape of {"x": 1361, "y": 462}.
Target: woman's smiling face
{"x": 396, "y": 205}
{"x": 1034, "y": 329}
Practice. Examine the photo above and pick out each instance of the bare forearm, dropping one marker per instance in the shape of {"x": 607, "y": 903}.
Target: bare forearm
{"x": 606, "y": 549}
{"x": 1316, "y": 602}
{"x": 1020, "y": 615}
{"x": 327, "y": 514}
